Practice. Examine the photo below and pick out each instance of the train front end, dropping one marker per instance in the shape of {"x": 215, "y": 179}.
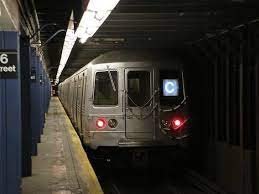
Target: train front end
{"x": 137, "y": 105}
{"x": 174, "y": 114}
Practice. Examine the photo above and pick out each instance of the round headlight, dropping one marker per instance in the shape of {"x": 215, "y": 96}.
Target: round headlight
{"x": 112, "y": 123}
{"x": 101, "y": 123}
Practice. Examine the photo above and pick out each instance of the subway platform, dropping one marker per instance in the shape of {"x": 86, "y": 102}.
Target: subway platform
{"x": 62, "y": 166}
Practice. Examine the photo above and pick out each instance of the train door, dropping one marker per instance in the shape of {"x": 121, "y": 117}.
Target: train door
{"x": 79, "y": 101}
{"x": 72, "y": 92}
{"x": 83, "y": 113}
{"x": 76, "y": 100}
{"x": 139, "y": 84}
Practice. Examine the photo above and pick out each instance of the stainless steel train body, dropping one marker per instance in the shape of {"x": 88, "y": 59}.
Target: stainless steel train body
{"x": 119, "y": 99}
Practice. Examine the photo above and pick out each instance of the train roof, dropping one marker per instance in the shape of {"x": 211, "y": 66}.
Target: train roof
{"x": 131, "y": 56}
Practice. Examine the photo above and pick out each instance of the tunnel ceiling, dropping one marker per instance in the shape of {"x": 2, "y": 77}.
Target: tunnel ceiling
{"x": 149, "y": 24}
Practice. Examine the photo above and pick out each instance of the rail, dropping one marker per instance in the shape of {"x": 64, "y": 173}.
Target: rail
{"x": 202, "y": 183}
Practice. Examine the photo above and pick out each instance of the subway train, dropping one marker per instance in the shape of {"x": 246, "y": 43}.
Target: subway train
{"x": 128, "y": 99}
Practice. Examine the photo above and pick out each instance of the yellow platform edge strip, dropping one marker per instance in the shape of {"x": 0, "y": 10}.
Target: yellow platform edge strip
{"x": 86, "y": 173}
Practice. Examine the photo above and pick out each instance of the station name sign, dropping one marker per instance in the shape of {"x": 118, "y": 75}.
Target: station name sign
{"x": 8, "y": 64}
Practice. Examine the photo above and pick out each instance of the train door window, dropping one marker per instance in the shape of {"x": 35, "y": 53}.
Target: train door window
{"x": 106, "y": 88}
{"x": 138, "y": 88}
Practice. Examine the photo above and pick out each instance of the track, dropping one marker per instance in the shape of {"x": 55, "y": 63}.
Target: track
{"x": 139, "y": 181}
{"x": 171, "y": 178}
{"x": 132, "y": 180}
{"x": 163, "y": 173}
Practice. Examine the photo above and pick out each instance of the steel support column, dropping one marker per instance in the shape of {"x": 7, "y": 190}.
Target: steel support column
{"x": 10, "y": 122}
{"x": 35, "y": 101}
{"x": 26, "y": 122}
{"x": 41, "y": 106}
{"x": 257, "y": 116}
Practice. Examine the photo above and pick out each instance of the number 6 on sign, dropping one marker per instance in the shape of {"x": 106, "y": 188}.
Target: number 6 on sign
{"x": 4, "y": 58}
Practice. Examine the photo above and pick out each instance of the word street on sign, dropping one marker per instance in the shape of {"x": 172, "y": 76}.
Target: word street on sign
{"x": 8, "y": 64}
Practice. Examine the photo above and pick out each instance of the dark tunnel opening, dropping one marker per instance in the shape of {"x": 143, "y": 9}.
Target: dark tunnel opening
{"x": 221, "y": 74}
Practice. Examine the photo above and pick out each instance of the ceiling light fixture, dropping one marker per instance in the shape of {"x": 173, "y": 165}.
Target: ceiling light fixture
{"x": 96, "y": 13}
{"x": 84, "y": 38}
{"x": 70, "y": 40}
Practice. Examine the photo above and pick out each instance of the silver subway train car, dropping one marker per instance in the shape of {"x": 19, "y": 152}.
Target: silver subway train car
{"x": 128, "y": 99}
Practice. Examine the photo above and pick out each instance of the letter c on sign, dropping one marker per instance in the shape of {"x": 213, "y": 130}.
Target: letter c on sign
{"x": 170, "y": 87}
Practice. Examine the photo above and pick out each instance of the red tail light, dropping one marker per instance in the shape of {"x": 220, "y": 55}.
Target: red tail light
{"x": 101, "y": 123}
{"x": 176, "y": 123}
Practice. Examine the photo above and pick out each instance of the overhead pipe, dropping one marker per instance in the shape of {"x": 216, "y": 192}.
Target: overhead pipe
{"x": 55, "y": 34}
{"x": 27, "y": 23}
{"x": 225, "y": 31}
{"x": 41, "y": 28}
{"x": 36, "y": 18}
{"x": 29, "y": 15}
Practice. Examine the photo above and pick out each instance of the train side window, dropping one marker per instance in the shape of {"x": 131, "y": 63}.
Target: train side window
{"x": 104, "y": 93}
{"x": 138, "y": 88}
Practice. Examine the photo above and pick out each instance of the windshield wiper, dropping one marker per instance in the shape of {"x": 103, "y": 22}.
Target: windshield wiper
{"x": 111, "y": 79}
{"x": 181, "y": 103}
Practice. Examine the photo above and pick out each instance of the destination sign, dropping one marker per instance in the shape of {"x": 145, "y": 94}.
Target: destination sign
{"x": 8, "y": 64}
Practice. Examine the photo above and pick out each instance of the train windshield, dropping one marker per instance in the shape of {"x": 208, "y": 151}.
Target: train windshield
{"x": 104, "y": 93}
{"x": 138, "y": 88}
{"x": 171, "y": 87}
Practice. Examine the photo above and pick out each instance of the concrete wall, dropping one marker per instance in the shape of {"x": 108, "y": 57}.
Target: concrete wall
{"x": 9, "y": 17}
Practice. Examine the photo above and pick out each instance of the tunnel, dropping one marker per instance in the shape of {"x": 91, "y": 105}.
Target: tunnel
{"x": 45, "y": 44}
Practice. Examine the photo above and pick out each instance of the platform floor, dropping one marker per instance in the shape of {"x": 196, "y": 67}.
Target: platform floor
{"x": 61, "y": 167}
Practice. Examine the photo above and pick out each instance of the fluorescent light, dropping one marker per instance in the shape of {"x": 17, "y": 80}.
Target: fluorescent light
{"x": 84, "y": 39}
{"x": 101, "y": 5}
{"x": 68, "y": 45}
{"x": 90, "y": 23}
{"x": 69, "y": 42}
{"x": 96, "y": 13}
